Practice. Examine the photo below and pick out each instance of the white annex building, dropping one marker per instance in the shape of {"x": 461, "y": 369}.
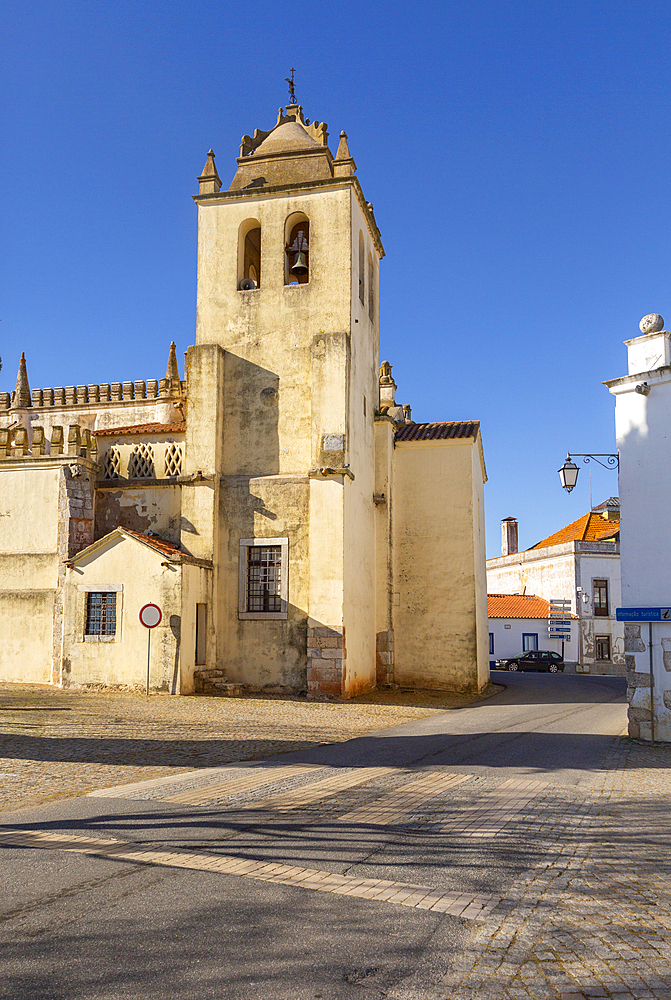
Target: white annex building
{"x": 297, "y": 529}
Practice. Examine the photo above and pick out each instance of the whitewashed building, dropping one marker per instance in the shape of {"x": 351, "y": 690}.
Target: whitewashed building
{"x": 519, "y": 623}
{"x": 643, "y": 430}
{"x": 579, "y": 563}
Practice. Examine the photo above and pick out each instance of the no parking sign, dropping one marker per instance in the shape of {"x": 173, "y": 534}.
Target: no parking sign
{"x": 150, "y": 616}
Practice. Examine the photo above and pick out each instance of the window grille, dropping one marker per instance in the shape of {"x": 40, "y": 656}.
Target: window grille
{"x": 100, "y": 614}
{"x": 601, "y": 598}
{"x": 173, "y": 460}
{"x": 111, "y": 464}
{"x": 264, "y": 565}
{"x": 141, "y": 464}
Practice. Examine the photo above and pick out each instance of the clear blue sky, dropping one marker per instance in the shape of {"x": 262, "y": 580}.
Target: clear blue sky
{"x": 517, "y": 155}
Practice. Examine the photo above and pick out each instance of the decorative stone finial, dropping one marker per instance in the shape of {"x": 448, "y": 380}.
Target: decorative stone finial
{"x": 652, "y": 323}
{"x": 209, "y": 180}
{"x": 21, "y": 395}
{"x": 172, "y": 371}
{"x": 343, "y": 165}
{"x": 387, "y": 385}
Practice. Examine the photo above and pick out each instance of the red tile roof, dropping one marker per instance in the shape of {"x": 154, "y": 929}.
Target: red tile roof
{"x": 165, "y": 548}
{"x": 517, "y": 606}
{"x": 176, "y": 428}
{"x": 438, "y": 432}
{"x": 588, "y": 528}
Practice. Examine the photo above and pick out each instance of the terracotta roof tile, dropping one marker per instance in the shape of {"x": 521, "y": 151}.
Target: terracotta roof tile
{"x": 588, "y": 528}
{"x": 517, "y": 606}
{"x": 166, "y": 548}
{"x": 439, "y": 431}
{"x": 176, "y": 428}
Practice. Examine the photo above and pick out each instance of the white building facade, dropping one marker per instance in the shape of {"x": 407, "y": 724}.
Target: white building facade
{"x": 643, "y": 431}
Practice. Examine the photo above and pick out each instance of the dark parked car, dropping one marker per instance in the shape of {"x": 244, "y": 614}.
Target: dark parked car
{"x": 534, "y": 659}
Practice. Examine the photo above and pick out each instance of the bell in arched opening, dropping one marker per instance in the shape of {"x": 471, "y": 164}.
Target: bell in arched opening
{"x": 298, "y": 253}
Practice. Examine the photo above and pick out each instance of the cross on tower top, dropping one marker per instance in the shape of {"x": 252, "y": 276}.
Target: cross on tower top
{"x": 292, "y": 86}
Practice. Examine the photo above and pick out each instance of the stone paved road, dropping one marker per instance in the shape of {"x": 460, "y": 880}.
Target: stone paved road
{"x": 518, "y": 848}
{"x": 57, "y": 743}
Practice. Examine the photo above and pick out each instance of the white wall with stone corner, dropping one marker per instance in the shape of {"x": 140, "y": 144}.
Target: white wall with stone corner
{"x": 643, "y": 432}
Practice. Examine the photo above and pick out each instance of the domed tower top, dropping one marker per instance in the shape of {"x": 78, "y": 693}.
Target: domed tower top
{"x": 295, "y": 150}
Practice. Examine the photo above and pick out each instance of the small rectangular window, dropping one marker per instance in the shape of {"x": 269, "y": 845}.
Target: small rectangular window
{"x": 201, "y": 634}
{"x": 263, "y": 588}
{"x": 529, "y": 641}
{"x": 601, "y": 598}
{"x": 491, "y": 643}
{"x": 602, "y": 643}
{"x": 100, "y": 613}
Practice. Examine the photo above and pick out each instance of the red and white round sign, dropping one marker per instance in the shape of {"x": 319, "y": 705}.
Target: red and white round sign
{"x": 150, "y": 615}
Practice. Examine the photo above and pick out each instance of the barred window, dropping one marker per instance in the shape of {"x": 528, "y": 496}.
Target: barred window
{"x": 263, "y": 578}
{"x": 100, "y": 613}
{"x": 264, "y": 566}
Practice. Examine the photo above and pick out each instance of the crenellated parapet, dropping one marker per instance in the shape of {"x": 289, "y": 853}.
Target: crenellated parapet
{"x": 106, "y": 392}
{"x": 84, "y": 395}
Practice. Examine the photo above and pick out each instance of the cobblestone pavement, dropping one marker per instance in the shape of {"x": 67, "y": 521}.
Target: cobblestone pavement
{"x": 593, "y": 918}
{"x": 57, "y": 743}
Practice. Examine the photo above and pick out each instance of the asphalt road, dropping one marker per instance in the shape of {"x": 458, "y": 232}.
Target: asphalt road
{"x": 80, "y": 926}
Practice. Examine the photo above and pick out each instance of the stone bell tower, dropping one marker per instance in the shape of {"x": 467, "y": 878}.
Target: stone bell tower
{"x": 282, "y": 394}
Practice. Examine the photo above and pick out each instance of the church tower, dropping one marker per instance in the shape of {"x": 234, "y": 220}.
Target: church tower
{"x": 282, "y": 395}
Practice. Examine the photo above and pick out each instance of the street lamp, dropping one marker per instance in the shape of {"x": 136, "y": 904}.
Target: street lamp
{"x": 568, "y": 474}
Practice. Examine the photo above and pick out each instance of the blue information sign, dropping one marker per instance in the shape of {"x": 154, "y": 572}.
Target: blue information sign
{"x": 643, "y": 614}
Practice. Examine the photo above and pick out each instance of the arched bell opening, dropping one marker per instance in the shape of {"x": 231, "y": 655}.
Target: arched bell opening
{"x": 249, "y": 255}
{"x": 297, "y": 250}
{"x": 362, "y": 270}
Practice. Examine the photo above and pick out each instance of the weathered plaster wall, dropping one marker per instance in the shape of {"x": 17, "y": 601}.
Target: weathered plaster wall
{"x": 142, "y": 509}
{"x": 28, "y": 569}
{"x": 437, "y": 640}
{"x": 269, "y": 331}
{"x": 264, "y": 653}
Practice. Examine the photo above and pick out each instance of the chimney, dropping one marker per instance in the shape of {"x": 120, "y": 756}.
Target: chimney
{"x": 508, "y": 536}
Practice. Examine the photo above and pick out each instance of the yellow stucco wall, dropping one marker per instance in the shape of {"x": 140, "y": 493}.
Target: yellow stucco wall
{"x": 28, "y": 569}
{"x": 439, "y": 628}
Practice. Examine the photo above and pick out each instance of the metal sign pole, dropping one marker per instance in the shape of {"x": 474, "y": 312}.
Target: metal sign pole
{"x": 652, "y": 687}
{"x": 148, "y": 654}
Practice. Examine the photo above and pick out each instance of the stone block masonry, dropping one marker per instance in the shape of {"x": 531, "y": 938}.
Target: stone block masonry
{"x": 327, "y": 655}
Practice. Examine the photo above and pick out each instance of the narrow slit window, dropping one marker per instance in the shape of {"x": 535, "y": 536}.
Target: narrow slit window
{"x": 100, "y": 613}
